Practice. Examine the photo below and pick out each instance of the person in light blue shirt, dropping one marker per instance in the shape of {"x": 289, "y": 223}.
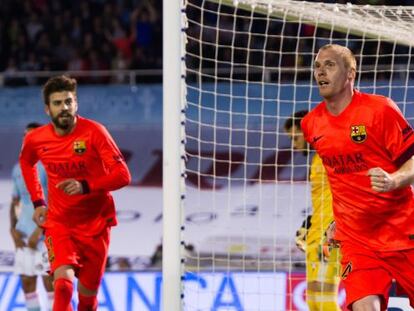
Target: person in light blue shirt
{"x": 31, "y": 255}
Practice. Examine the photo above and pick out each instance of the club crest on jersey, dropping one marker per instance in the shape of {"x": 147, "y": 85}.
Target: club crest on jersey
{"x": 358, "y": 133}
{"x": 79, "y": 147}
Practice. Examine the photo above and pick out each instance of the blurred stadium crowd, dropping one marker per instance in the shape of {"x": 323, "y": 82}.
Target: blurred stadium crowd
{"x": 48, "y": 35}
{"x": 239, "y": 45}
{"x": 44, "y": 35}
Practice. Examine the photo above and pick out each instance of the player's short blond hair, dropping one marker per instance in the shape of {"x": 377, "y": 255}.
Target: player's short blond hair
{"x": 346, "y": 54}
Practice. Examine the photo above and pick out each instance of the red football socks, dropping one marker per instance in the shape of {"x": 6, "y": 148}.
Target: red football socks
{"x": 63, "y": 295}
{"x": 87, "y": 303}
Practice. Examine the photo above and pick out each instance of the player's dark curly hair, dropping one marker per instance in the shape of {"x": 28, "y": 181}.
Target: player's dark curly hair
{"x": 295, "y": 119}
{"x": 58, "y": 84}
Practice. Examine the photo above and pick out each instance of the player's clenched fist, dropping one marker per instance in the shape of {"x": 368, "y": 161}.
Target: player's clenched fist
{"x": 70, "y": 186}
{"x": 39, "y": 215}
{"x": 381, "y": 181}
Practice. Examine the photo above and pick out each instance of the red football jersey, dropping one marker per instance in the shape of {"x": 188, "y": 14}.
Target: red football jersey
{"x": 87, "y": 153}
{"x": 370, "y": 132}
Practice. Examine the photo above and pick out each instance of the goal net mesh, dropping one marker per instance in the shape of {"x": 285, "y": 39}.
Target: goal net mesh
{"x": 248, "y": 68}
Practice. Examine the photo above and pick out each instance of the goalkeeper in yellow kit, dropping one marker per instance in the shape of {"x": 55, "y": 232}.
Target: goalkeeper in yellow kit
{"x": 322, "y": 262}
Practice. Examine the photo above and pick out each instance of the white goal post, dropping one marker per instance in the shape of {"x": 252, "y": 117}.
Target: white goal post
{"x": 173, "y": 166}
{"x": 234, "y": 189}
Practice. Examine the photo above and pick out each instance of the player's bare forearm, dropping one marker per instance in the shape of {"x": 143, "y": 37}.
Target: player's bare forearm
{"x": 16, "y": 235}
{"x": 13, "y": 216}
{"x": 382, "y": 181}
{"x": 404, "y": 176}
{"x": 17, "y": 238}
{"x": 34, "y": 238}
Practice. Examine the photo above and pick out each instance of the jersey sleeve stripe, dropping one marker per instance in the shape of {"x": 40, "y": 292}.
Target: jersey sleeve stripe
{"x": 407, "y": 154}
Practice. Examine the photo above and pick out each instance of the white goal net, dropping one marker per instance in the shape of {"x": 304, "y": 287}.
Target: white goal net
{"x": 248, "y": 68}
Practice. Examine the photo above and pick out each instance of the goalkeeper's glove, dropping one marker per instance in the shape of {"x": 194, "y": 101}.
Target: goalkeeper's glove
{"x": 329, "y": 242}
{"x": 330, "y": 233}
{"x": 302, "y": 232}
{"x": 325, "y": 251}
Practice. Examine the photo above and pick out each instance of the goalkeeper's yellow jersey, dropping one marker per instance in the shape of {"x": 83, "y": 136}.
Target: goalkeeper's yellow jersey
{"x": 322, "y": 214}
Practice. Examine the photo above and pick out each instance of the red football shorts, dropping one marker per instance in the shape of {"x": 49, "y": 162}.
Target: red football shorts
{"x": 87, "y": 255}
{"x": 365, "y": 272}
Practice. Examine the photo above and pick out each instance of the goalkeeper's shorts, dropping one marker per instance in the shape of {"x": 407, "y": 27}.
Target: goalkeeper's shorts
{"x": 366, "y": 272}
{"x": 87, "y": 255}
{"x": 320, "y": 268}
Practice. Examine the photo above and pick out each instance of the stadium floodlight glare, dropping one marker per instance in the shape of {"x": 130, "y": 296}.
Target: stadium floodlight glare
{"x": 240, "y": 69}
